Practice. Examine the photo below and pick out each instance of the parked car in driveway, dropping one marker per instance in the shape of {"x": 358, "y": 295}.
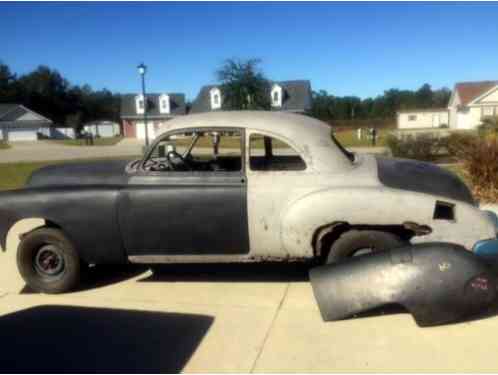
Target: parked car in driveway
{"x": 236, "y": 187}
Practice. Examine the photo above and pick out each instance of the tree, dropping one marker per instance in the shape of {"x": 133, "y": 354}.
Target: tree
{"x": 8, "y": 89}
{"x": 243, "y": 85}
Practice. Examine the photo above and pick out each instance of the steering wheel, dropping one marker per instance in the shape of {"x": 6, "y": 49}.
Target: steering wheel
{"x": 178, "y": 162}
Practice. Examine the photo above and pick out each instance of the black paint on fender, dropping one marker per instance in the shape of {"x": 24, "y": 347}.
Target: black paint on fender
{"x": 436, "y": 282}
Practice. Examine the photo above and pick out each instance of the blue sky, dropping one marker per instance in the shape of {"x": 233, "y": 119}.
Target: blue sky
{"x": 345, "y": 48}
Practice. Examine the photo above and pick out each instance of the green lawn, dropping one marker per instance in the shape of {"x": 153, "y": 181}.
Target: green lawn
{"x": 111, "y": 141}
{"x": 15, "y": 175}
{"x": 4, "y": 145}
{"x": 349, "y": 138}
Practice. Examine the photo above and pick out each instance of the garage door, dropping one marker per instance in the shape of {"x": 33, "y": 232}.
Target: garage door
{"x": 141, "y": 130}
{"x": 16, "y": 135}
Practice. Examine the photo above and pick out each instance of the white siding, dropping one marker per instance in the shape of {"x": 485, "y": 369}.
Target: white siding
{"x": 422, "y": 119}
{"x": 140, "y": 131}
{"x": 24, "y": 134}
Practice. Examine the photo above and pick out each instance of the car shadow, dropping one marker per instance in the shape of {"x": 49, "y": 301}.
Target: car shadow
{"x": 102, "y": 275}
{"x": 70, "y": 339}
{"x": 230, "y": 272}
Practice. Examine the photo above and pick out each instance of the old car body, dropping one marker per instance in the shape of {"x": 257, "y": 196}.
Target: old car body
{"x": 117, "y": 211}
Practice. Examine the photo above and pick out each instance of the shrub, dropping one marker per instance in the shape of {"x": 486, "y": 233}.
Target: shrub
{"x": 425, "y": 146}
{"x": 457, "y": 143}
{"x": 480, "y": 163}
{"x": 4, "y": 144}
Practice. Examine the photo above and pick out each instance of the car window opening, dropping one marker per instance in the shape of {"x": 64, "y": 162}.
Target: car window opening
{"x": 271, "y": 154}
{"x": 198, "y": 151}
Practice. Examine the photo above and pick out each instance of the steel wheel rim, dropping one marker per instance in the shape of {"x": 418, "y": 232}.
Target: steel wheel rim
{"x": 49, "y": 261}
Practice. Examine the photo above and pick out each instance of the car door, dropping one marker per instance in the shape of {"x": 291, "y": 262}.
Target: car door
{"x": 277, "y": 175}
{"x": 186, "y": 212}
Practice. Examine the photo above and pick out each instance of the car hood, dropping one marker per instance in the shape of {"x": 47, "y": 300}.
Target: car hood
{"x": 423, "y": 178}
{"x": 77, "y": 174}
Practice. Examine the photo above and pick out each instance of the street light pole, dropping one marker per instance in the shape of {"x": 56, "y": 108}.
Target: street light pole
{"x": 142, "y": 70}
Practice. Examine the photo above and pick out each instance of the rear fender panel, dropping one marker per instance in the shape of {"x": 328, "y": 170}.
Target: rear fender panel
{"x": 437, "y": 283}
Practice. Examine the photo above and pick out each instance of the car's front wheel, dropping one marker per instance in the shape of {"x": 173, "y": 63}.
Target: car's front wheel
{"x": 48, "y": 261}
{"x": 357, "y": 242}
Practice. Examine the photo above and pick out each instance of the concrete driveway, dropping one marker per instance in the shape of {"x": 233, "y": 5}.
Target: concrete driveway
{"x": 217, "y": 318}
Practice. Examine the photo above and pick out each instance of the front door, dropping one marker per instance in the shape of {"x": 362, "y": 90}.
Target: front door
{"x": 194, "y": 209}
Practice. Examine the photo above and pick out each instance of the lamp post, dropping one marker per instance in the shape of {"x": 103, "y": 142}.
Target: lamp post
{"x": 142, "y": 69}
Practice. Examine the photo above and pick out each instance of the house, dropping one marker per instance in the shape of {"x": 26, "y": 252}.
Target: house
{"x": 422, "y": 118}
{"x": 471, "y": 102}
{"x": 102, "y": 129}
{"x": 160, "y": 108}
{"x": 288, "y": 96}
{"x": 18, "y": 123}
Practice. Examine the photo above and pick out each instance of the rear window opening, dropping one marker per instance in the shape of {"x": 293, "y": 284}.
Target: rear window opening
{"x": 444, "y": 211}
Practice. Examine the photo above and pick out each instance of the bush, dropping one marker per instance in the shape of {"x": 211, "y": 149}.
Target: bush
{"x": 456, "y": 144}
{"x": 4, "y": 144}
{"x": 424, "y": 146}
{"x": 480, "y": 163}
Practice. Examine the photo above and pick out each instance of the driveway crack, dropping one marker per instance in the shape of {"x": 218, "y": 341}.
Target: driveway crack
{"x": 267, "y": 335}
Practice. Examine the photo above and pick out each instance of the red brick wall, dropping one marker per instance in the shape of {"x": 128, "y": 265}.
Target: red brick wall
{"x": 129, "y": 129}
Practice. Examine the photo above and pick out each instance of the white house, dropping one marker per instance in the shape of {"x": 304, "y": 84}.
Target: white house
{"x": 18, "y": 123}
{"x": 160, "y": 108}
{"x": 471, "y": 102}
{"x": 422, "y": 118}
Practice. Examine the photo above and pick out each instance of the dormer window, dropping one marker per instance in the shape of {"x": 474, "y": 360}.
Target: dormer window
{"x": 164, "y": 106}
{"x": 140, "y": 104}
{"x": 215, "y": 95}
{"x": 276, "y": 96}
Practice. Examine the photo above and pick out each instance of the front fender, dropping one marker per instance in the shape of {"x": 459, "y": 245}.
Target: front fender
{"x": 87, "y": 215}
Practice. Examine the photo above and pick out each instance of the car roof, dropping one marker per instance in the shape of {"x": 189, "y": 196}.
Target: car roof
{"x": 311, "y": 137}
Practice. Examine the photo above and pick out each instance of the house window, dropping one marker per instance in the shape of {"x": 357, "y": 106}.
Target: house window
{"x": 271, "y": 154}
{"x": 412, "y": 117}
{"x": 276, "y": 96}
{"x": 140, "y": 104}
{"x": 164, "y": 103}
{"x": 215, "y": 96}
{"x": 487, "y": 111}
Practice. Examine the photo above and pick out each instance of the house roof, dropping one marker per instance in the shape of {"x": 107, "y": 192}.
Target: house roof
{"x": 129, "y": 109}
{"x": 6, "y": 108}
{"x": 296, "y": 97}
{"x": 13, "y": 113}
{"x": 468, "y": 91}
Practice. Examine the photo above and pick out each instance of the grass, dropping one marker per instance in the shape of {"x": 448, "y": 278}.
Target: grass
{"x": 4, "y": 145}
{"x": 15, "y": 175}
{"x": 349, "y": 138}
{"x": 110, "y": 141}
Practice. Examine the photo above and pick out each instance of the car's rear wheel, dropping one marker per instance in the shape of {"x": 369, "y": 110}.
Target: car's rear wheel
{"x": 48, "y": 261}
{"x": 357, "y": 242}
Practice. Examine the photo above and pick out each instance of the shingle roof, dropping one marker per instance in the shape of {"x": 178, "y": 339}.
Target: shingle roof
{"x": 6, "y": 108}
{"x": 468, "y": 91}
{"x": 129, "y": 110}
{"x": 12, "y": 113}
{"x": 202, "y": 102}
{"x": 296, "y": 97}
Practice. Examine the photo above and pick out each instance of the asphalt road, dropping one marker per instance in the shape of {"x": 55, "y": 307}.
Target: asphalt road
{"x": 217, "y": 318}
{"x": 50, "y": 151}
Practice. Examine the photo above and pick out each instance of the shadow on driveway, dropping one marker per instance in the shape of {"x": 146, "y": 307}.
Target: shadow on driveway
{"x": 230, "y": 272}
{"x": 79, "y": 339}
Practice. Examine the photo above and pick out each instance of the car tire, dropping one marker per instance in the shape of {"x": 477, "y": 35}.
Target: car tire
{"x": 48, "y": 261}
{"x": 353, "y": 241}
